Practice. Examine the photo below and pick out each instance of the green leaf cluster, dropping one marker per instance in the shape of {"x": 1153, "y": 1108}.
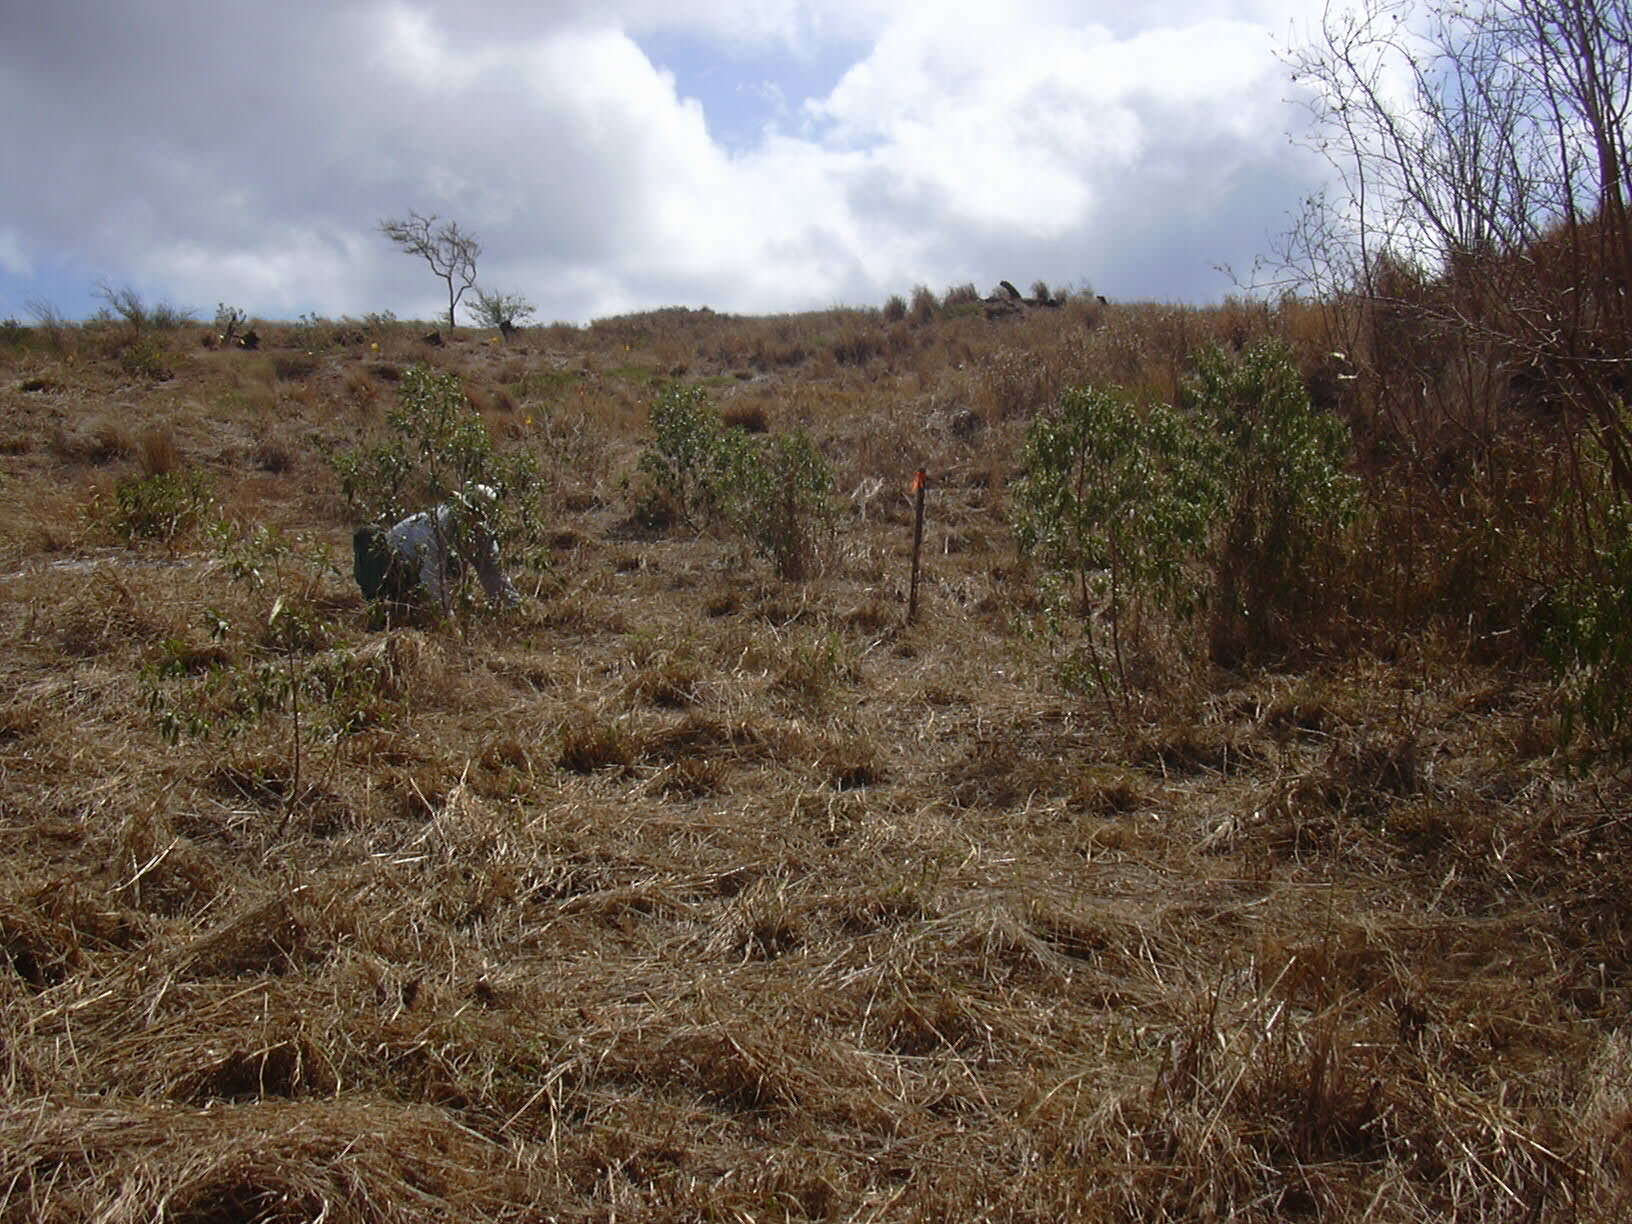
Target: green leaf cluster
{"x": 279, "y": 661}
{"x": 1284, "y": 461}
{"x": 1114, "y": 504}
{"x": 774, "y": 493}
{"x": 163, "y": 506}
{"x": 337, "y": 693}
{"x": 1587, "y": 612}
{"x": 435, "y": 445}
{"x": 1283, "y": 466}
{"x": 696, "y": 467}
{"x": 1225, "y": 504}
{"x": 500, "y": 309}
{"x": 791, "y": 500}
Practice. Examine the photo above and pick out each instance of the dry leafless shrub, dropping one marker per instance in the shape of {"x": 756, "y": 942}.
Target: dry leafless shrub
{"x": 362, "y": 385}
{"x": 275, "y": 452}
{"x": 748, "y": 417}
{"x": 102, "y": 441}
{"x": 293, "y": 367}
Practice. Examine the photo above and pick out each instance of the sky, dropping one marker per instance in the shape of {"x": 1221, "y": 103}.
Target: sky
{"x": 752, "y": 156}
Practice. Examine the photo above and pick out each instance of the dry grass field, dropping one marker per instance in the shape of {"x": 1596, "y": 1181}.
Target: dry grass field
{"x": 685, "y": 892}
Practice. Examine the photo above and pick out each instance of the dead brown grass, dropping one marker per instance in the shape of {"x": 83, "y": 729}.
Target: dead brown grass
{"x": 684, "y": 893}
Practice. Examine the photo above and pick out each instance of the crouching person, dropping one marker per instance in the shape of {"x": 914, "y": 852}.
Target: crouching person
{"x": 422, "y": 558}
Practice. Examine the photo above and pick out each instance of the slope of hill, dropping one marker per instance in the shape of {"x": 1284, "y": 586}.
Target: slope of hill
{"x": 685, "y": 892}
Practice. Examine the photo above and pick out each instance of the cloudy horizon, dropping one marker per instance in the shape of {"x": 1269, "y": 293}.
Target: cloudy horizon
{"x": 760, "y": 157}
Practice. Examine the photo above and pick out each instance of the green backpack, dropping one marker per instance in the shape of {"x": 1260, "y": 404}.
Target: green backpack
{"x": 371, "y": 560}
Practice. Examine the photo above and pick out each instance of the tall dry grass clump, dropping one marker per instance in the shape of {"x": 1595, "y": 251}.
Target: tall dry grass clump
{"x": 160, "y": 455}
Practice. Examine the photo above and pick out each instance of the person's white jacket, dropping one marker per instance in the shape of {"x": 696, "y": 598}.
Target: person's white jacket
{"x": 431, "y": 543}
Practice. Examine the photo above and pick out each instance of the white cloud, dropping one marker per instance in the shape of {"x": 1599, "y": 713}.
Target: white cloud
{"x": 1021, "y": 135}
{"x": 13, "y": 258}
{"x": 251, "y": 160}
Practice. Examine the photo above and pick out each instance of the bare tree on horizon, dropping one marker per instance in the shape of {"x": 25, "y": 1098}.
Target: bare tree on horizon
{"x": 450, "y": 251}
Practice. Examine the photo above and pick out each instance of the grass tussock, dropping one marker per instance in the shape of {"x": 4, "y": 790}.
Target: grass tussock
{"x": 685, "y": 890}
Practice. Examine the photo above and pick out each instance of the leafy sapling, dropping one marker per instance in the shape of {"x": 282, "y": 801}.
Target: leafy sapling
{"x": 438, "y": 501}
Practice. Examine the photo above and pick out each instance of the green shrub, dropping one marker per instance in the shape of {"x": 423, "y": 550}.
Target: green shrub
{"x": 436, "y": 445}
{"x": 312, "y": 333}
{"x": 165, "y": 317}
{"x": 1289, "y": 495}
{"x": 1114, "y": 504}
{"x": 127, "y": 304}
{"x": 283, "y": 667}
{"x": 1587, "y": 612}
{"x": 57, "y": 331}
{"x": 500, "y": 310}
{"x": 790, "y": 503}
{"x": 330, "y": 695}
{"x": 162, "y": 506}
{"x": 773, "y": 493}
{"x": 147, "y": 358}
{"x": 230, "y": 322}
{"x": 1234, "y": 504}
{"x": 693, "y": 461}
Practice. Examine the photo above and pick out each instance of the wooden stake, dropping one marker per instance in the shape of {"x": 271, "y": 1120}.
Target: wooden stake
{"x": 918, "y": 482}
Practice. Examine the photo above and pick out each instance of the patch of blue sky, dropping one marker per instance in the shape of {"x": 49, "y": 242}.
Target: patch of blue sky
{"x": 745, "y": 89}
{"x": 64, "y": 285}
